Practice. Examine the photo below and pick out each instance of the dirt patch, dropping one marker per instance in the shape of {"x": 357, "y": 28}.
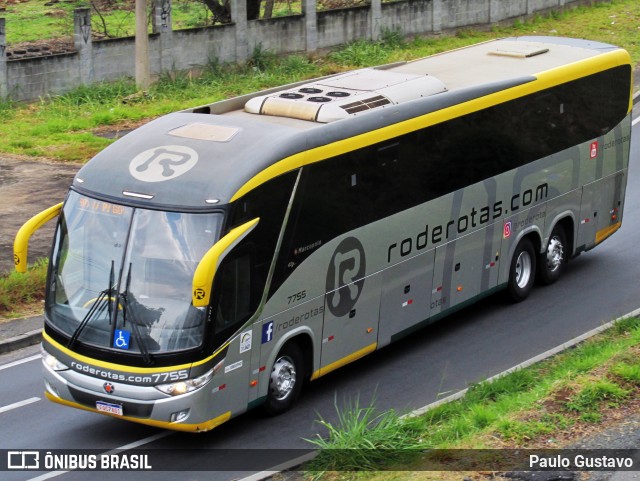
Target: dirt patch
{"x": 26, "y": 188}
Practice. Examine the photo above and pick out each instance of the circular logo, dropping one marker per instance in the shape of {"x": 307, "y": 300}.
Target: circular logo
{"x": 199, "y": 293}
{"x": 345, "y": 276}
{"x": 108, "y": 388}
{"x": 163, "y": 163}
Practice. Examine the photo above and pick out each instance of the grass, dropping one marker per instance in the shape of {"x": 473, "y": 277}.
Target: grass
{"x": 31, "y": 20}
{"x": 20, "y": 293}
{"x": 537, "y": 407}
{"x": 363, "y": 438}
{"x": 62, "y": 128}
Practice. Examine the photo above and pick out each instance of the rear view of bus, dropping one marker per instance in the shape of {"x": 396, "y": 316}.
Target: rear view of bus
{"x": 217, "y": 258}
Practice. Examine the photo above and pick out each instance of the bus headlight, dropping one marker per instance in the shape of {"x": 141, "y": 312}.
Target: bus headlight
{"x": 183, "y": 387}
{"x": 53, "y": 362}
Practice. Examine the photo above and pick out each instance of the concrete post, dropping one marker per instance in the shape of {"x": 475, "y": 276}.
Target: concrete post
{"x": 4, "y": 79}
{"x": 162, "y": 24}
{"x": 436, "y": 16}
{"x": 309, "y": 9}
{"x": 494, "y": 11}
{"x": 83, "y": 44}
{"x": 143, "y": 72}
{"x": 376, "y": 19}
{"x": 239, "y": 18}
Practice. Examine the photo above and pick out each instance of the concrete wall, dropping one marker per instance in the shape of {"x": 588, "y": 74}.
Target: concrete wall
{"x": 179, "y": 50}
{"x": 464, "y": 13}
{"x": 411, "y": 17}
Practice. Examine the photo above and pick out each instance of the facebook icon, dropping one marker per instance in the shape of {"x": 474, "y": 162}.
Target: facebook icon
{"x": 267, "y": 332}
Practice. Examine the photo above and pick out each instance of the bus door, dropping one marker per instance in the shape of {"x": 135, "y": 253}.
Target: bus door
{"x": 351, "y": 308}
{"x": 406, "y": 295}
{"x": 601, "y": 210}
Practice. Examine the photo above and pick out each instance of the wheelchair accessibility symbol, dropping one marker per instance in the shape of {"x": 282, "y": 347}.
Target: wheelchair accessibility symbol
{"x": 121, "y": 339}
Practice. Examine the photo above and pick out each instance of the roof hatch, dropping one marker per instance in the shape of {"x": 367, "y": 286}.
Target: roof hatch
{"x": 344, "y": 95}
{"x": 519, "y": 50}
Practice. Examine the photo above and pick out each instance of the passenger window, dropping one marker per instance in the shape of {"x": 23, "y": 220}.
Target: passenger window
{"x": 234, "y": 299}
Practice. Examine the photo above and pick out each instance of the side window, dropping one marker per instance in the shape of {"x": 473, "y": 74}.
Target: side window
{"x": 240, "y": 281}
{"x": 234, "y": 289}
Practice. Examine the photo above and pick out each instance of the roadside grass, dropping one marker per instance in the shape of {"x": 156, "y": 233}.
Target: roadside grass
{"x": 543, "y": 406}
{"x": 21, "y": 294}
{"x": 29, "y": 21}
{"x": 63, "y": 127}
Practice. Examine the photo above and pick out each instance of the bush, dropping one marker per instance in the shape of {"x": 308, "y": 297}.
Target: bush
{"x": 16, "y": 289}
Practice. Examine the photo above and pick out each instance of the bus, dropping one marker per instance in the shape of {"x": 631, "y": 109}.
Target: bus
{"x": 217, "y": 258}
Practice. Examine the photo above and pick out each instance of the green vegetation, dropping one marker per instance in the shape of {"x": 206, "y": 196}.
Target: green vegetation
{"x": 535, "y": 407}
{"x": 20, "y": 292}
{"x": 64, "y": 127}
{"x": 31, "y": 20}
{"x": 362, "y": 438}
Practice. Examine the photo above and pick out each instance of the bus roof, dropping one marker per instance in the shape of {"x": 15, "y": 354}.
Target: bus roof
{"x": 207, "y": 156}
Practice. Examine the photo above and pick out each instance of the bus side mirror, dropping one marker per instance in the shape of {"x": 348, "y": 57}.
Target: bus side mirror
{"x": 206, "y": 270}
{"x": 21, "y": 242}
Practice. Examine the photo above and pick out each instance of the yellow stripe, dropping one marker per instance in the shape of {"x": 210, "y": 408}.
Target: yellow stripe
{"x": 200, "y": 427}
{"x": 602, "y": 234}
{"x": 546, "y": 79}
{"x": 21, "y": 242}
{"x": 344, "y": 361}
{"x": 206, "y": 270}
{"x": 122, "y": 367}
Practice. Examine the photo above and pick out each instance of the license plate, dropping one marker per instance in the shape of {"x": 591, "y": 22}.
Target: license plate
{"x": 109, "y": 408}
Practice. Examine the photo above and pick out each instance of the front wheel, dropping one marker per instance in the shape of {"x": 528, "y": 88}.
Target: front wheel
{"x": 285, "y": 381}
{"x": 551, "y": 262}
{"x": 522, "y": 271}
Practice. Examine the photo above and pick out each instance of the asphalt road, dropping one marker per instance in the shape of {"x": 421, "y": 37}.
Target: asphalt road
{"x": 467, "y": 347}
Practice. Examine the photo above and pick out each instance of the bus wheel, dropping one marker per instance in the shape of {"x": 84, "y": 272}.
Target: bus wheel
{"x": 522, "y": 271}
{"x": 285, "y": 382}
{"x": 551, "y": 261}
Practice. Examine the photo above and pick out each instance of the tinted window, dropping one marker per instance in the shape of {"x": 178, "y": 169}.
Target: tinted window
{"x": 240, "y": 280}
{"x": 357, "y": 188}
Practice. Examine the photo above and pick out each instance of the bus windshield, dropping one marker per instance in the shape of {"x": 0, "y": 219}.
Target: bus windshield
{"x": 121, "y": 276}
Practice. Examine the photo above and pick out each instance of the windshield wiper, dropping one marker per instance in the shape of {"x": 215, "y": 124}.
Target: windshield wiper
{"x": 103, "y": 300}
{"x": 126, "y": 305}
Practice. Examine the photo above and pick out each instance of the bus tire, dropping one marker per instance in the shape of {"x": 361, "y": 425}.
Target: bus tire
{"x": 522, "y": 271}
{"x": 551, "y": 262}
{"x": 285, "y": 380}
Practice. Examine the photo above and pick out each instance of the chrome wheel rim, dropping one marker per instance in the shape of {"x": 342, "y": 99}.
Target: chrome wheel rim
{"x": 555, "y": 254}
{"x": 523, "y": 269}
{"x": 283, "y": 378}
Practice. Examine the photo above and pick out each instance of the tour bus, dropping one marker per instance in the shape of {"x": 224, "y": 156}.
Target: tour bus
{"x": 217, "y": 258}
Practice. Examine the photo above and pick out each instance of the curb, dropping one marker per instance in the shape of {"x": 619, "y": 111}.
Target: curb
{"x": 23, "y": 340}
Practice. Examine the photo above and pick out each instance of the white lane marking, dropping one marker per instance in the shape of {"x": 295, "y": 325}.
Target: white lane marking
{"x": 635, "y": 121}
{"x": 19, "y": 404}
{"x": 142, "y": 442}
{"x": 126, "y": 447}
{"x": 21, "y": 361}
{"x": 282, "y": 467}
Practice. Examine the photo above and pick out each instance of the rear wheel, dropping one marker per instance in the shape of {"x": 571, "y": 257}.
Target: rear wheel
{"x": 522, "y": 271}
{"x": 551, "y": 262}
{"x": 285, "y": 381}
